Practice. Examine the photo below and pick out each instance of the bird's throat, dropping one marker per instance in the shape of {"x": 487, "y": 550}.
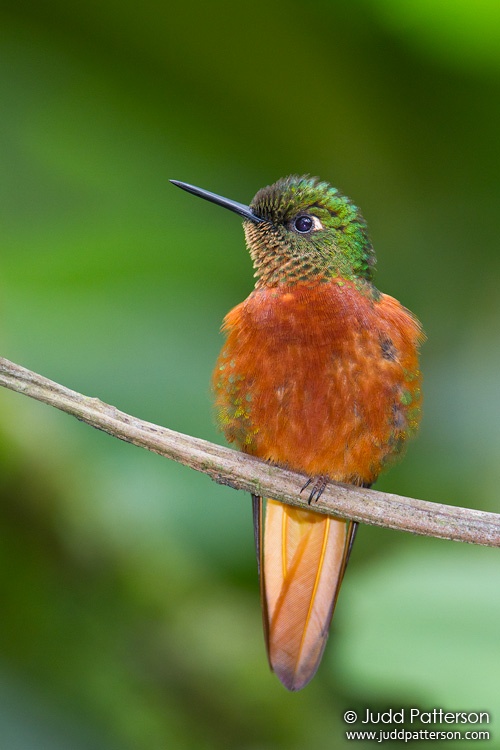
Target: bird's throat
{"x": 273, "y": 267}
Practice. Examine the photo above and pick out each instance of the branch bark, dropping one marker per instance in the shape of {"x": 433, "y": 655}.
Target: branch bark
{"x": 243, "y": 472}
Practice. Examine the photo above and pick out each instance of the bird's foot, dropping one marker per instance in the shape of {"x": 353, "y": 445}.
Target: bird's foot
{"x": 318, "y": 486}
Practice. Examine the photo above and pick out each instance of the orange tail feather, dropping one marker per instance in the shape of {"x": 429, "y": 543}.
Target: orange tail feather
{"x": 302, "y": 565}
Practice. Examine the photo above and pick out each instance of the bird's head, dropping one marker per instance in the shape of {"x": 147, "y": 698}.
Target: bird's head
{"x": 302, "y": 229}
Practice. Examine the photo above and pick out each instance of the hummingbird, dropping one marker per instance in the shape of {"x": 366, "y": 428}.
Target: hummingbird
{"x": 319, "y": 373}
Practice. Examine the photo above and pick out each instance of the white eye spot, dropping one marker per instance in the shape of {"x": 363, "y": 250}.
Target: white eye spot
{"x": 316, "y": 223}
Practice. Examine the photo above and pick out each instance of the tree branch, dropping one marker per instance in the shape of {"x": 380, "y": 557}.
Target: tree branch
{"x": 244, "y": 472}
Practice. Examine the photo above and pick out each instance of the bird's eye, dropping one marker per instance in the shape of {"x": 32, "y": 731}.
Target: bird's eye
{"x": 303, "y": 224}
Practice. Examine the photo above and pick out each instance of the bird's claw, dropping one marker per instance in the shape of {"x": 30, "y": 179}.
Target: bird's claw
{"x": 318, "y": 486}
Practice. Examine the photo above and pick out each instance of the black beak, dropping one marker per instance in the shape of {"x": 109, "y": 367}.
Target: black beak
{"x": 238, "y": 208}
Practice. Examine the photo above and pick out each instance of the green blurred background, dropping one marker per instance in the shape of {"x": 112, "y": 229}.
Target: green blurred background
{"x": 129, "y": 605}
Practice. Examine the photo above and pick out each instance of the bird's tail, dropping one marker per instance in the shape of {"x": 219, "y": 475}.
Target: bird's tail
{"x": 301, "y": 565}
